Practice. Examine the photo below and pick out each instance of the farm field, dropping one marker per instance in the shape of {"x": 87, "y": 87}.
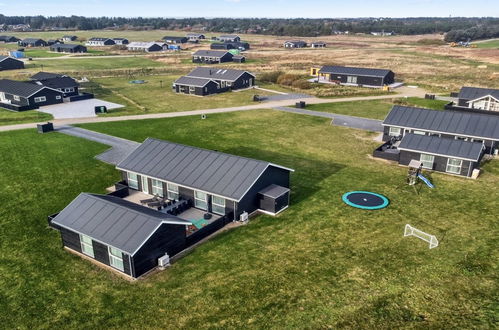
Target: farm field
{"x": 322, "y": 262}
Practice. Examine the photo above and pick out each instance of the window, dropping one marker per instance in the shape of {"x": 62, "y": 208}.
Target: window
{"x": 172, "y": 191}
{"x": 201, "y": 200}
{"x": 462, "y": 138}
{"x": 454, "y": 166}
{"x": 192, "y": 89}
{"x": 157, "y": 187}
{"x": 69, "y": 90}
{"x": 40, "y": 99}
{"x": 419, "y": 133}
{"x": 17, "y": 98}
{"x": 218, "y": 205}
{"x": 115, "y": 258}
{"x": 351, "y": 79}
{"x": 435, "y": 134}
{"x": 58, "y": 97}
{"x": 394, "y": 131}
{"x": 133, "y": 181}
{"x": 86, "y": 245}
{"x": 427, "y": 161}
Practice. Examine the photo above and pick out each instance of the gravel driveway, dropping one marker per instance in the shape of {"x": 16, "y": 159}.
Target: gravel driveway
{"x": 77, "y": 109}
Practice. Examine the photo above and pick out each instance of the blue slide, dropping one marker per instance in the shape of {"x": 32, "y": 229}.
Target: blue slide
{"x": 425, "y": 180}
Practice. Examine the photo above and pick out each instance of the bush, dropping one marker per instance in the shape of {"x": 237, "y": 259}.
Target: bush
{"x": 287, "y": 79}
{"x": 270, "y": 77}
{"x": 302, "y": 84}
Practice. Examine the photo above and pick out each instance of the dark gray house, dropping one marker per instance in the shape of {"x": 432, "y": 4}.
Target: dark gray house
{"x": 230, "y": 45}
{"x": 475, "y": 99}
{"x": 195, "y": 36}
{"x": 10, "y": 63}
{"x": 211, "y": 56}
{"x": 9, "y": 39}
{"x": 68, "y": 48}
{"x": 118, "y": 233}
{"x": 147, "y": 47}
{"x": 175, "y": 40}
{"x": 197, "y": 82}
{"x": 295, "y": 44}
{"x": 318, "y": 44}
{"x": 229, "y": 38}
{"x": 473, "y": 127}
{"x": 441, "y": 154}
{"x": 357, "y": 76}
{"x": 130, "y": 238}
{"x": 20, "y": 96}
{"x": 69, "y": 38}
{"x": 100, "y": 42}
{"x": 33, "y": 42}
{"x": 51, "y": 42}
{"x": 67, "y": 85}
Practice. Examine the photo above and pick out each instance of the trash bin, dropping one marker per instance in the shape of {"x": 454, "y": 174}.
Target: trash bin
{"x": 300, "y": 104}
{"x": 100, "y": 109}
{"x": 44, "y": 128}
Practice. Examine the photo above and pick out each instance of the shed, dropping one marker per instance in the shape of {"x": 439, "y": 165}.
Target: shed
{"x": 274, "y": 199}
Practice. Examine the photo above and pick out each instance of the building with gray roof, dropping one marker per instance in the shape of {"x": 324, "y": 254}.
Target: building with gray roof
{"x": 19, "y": 96}
{"x": 357, "y": 76}
{"x": 485, "y": 100}
{"x": 211, "y": 56}
{"x": 10, "y": 63}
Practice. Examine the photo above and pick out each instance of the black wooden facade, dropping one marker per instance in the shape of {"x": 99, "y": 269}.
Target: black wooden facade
{"x": 211, "y": 87}
{"x": 439, "y": 163}
{"x": 211, "y": 57}
{"x": 9, "y": 63}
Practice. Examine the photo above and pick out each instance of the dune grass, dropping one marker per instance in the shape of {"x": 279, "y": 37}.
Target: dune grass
{"x": 319, "y": 264}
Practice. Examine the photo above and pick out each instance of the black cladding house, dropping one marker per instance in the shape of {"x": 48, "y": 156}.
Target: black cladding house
{"x": 484, "y": 100}
{"x": 9, "y": 39}
{"x": 205, "y": 81}
{"x": 186, "y": 184}
{"x": 211, "y": 56}
{"x": 195, "y": 36}
{"x": 10, "y": 63}
{"x": 33, "y": 42}
{"x": 67, "y": 85}
{"x": 229, "y": 38}
{"x": 356, "y": 76}
{"x": 100, "y": 42}
{"x": 295, "y": 44}
{"x": 230, "y": 45}
{"x": 20, "y": 96}
{"x": 68, "y": 48}
{"x": 175, "y": 40}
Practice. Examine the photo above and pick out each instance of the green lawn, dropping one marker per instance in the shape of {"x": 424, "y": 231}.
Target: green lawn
{"x": 375, "y": 109}
{"x": 492, "y": 44}
{"x": 319, "y": 264}
{"x": 11, "y": 117}
{"x": 157, "y": 96}
{"x": 41, "y": 52}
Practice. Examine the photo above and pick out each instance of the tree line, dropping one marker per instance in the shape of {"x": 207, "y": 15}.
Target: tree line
{"x": 455, "y": 27}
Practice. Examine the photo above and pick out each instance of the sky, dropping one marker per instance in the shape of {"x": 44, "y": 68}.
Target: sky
{"x": 251, "y": 8}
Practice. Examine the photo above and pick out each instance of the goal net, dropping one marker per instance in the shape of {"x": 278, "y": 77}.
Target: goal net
{"x": 411, "y": 231}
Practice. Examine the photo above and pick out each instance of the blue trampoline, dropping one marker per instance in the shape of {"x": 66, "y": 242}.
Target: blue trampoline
{"x": 365, "y": 200}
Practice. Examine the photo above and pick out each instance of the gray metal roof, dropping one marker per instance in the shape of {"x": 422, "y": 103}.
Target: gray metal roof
{"x": 3, "y": 58}
{"x": 113, "y": 221}
{"x": 216, "y": 73}
{"x": 70, "y": 46}
{"x": 297, "y": 42}
{"x": 451, "y": 122}
{"x": 190, "y": 81}
{"x": 211, "y": 53}
{"x": 32, "y": 40}
{"x": 99, "y": 39}
{"x": 209, "y": 171}
{"x": 24, "y": 89}
{"x": 229, "y": 36}
{"x": 473, "y": 93}
{"x": 46, "y": 75}
{"x": 334, "y": 69}
{"x": 59, "y": 82}
{"x": 274, "y": 191}
{"x": 442, "y": 146}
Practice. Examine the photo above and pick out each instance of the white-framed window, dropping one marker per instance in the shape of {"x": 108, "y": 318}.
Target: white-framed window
{"x": 115, "y": 258}
{"x": 157, "y": 187}
{"x": 462, "y": 138}
{"x": 57, "y": 97}
{"x": 86, "y": 245}
{"x": 192, "y": 89}
{"x": 69, "y": 90}
{"x": 17, "y": 98}
{"x": 200, "y": 200}
{"x": 218, "y": 205}
{"x": 172, "y": 190}
{"x": 133, "y": 180}
{"x": 351, "y": 79}
{"x": 454, "y": 166}
{"x": 419, "y": 132}
{"x": 435, "y": 134}
{"x": 427, "y": 161}
{"x": 395, "y": 131}
{"x": 40, "y": 99}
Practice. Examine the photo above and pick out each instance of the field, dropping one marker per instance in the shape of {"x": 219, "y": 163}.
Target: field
{"x": 11, "y": 117}
{"x": 319, "y": 264}
{"x": 492, "y": 44}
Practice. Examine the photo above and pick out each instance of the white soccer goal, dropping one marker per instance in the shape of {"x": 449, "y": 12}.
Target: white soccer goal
{"x": 411, "y": 231}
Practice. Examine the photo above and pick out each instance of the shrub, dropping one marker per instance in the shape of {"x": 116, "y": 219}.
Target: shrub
{"x": 270, "y": 77}
{"x": 287, "y": 79}
{"x": 302, "y": 84}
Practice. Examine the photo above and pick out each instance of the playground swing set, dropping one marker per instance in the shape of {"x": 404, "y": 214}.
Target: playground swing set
{"x": 414, "y": 173}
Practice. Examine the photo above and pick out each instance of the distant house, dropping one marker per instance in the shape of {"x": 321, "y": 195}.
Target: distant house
{"x": 147, "y": 46}
{"x": 68, "y": 48}
{"x": 238, "y": 59}
{"x": 120, "y": 41}
{"x": 295, "y": 44}
{"x": 69, "y": 38}
{"x": 175, "y": 40}
{"x": 100, "y": 42}
{"x": 318, "y": 44}
{"x": 211, "y": 56}
{"x": 204, "y": 81}
{"x": 355, "y": 76}
{"x": 32, "y": 42}
{"x": 20, "y": 96}
{"x": 229, "y": 38}
{"x": 67, "y": 85}
{"x": 230, "y": 45}
{"x": 8, "y": 39}
{"x": 197, "y": 192}
{"x": 10, "y": 63}
{"x": 51, "y": 42}
{"x": 195, "y": 36}
{"x": 474, "y": 98}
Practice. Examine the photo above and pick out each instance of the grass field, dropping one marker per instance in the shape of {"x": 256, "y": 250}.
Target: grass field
{"x": 11, "y": 117}
{"x": 319, "y": 264}
{"x": 42, "y": 52}
{"x": 375, "y": 109}
{"x": 492, "y": 44}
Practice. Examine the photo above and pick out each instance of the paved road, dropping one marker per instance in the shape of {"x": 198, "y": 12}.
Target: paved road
{"x": 283, "y": 97}
{"x": 340, "y": 120}
{"x": 120, "y": 148}
{"x": 403, "y": 92}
